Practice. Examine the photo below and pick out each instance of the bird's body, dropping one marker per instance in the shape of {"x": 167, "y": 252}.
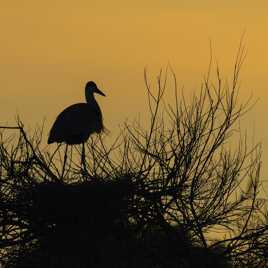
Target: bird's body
{"x": 77, "y": 122}
{"x": 65, "y": 129}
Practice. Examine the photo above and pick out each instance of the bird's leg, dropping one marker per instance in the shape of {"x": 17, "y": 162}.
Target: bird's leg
{"x": 64, "y": 161}
{"x": 83, "y": 159}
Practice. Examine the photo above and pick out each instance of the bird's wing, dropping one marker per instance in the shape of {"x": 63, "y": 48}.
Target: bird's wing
{"x": 77, "y": 119}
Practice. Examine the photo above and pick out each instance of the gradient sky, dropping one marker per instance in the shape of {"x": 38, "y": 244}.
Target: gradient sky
{"x": 49, "y": 49}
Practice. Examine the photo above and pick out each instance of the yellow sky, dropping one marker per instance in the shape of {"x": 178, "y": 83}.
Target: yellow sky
{"x": 49, "y": 49}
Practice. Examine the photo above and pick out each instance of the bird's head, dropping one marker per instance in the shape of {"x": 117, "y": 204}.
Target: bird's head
{"x": 91, "y": 88}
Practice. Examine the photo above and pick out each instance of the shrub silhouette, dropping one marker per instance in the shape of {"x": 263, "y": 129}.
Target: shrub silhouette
{"x": 154, "y": 198}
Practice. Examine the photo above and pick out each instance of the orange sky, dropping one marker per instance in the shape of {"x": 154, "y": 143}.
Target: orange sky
{"x": 49, "y": 49}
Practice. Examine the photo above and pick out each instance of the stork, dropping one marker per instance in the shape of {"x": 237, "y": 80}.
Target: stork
{"x": 77, "y": 122}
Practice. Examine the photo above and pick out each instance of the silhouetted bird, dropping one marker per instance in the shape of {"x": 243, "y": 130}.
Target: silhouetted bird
{"x": 77, "y": 122}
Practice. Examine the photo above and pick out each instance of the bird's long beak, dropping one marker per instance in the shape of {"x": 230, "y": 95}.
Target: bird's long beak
{"x": 99, "y": 92}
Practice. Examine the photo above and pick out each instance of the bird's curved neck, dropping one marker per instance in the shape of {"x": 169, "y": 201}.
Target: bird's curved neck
{"x": 90, "y": 97}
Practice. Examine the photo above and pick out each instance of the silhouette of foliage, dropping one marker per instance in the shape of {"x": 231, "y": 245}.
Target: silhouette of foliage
{"x": 180, "y": 193}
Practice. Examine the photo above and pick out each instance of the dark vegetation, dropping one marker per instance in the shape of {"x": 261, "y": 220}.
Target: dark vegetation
{"x": 181, "y": 193}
